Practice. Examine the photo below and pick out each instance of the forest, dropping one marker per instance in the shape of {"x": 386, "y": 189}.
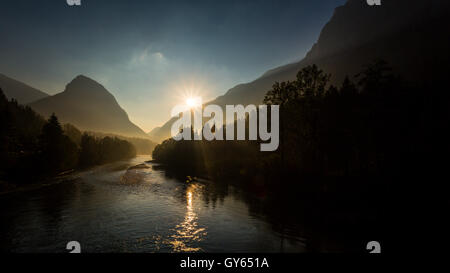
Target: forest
{"x": 353, "y": 160}
{"x": 32, "y": 148}
{"x": 374, "y": 125}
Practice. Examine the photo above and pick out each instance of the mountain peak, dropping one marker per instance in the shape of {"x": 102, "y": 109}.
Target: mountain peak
{"x": 88, "y": 105}
{"x": 85, "y": 88}
{"x": 82, "y": 77}
{"x": 83, "y": 82}
{"x": 402, "y": 32}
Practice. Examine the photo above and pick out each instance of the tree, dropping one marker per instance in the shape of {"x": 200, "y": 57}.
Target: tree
{"x": 348, "y": 89}
{"x": 89, "y": 154}
{"x": 375, "y": 76}
{"x": 73, "y": 133}
{"x": 5, "y": 119}
{"x": 311, "y": 81}
{"x": 52, "y": 131}
{"x": 58, "y": 152}
{"x": 43, "y": 148}
{"x": 96, "y": 151}
{"x": 5, "y": 125}
{"x": 280, "y": 94}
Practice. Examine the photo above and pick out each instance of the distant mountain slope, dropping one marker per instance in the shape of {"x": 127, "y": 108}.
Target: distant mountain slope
{"x": 154, "y": 131}
{"x": 90, "y": 107}
{"x": 412, "y": 35}
{"x": 23, "y": 93}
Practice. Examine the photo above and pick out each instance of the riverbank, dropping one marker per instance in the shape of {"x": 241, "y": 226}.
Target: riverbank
{"x": 158, "y": 214}
{"x": 8, "y": 187}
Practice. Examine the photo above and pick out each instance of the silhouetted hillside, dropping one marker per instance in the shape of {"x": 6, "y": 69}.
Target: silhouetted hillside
{"x": 89, "y": 106}
{"x": 143, "y": 146}
{"x": 19, "y": 91}
{"x": 411, "y": 35}
{"x": 32, "y": 149}
{"x": 154, "y": 131}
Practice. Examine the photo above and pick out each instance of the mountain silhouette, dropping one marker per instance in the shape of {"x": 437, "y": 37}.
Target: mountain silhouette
{"x": 19, "y": 91}
{"x": 411, "y": 35}
{"x": 153, "y": 132}
{"x": 90, "y": 107}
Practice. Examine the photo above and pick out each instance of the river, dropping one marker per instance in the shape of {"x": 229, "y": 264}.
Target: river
{"x": 113, "y": 209}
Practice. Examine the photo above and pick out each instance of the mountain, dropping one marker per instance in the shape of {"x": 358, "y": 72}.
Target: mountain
{"x": 411, "y": 35}
{"x": 90, "y": 107}
{"x": 19, "y": 91}
{"x": 154, "y": 131}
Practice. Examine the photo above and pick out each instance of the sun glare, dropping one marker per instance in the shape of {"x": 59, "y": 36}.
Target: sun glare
{"x": 190, "y": 92}
{"x": 194, "y": 102}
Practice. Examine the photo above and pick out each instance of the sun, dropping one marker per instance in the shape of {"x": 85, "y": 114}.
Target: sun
{"x": 193, "y": 102}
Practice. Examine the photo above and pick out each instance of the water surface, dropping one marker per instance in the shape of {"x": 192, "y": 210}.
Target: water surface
{"x": 113, "y": 209}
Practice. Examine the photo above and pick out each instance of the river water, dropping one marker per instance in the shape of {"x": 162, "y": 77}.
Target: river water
{"x": 115, "y": 209}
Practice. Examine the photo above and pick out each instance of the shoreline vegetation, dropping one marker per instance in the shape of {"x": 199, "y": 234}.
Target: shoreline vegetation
{"x": 366, "y": 128}
{"x": 345, "y": 152}
{"x": 34, "y": 151}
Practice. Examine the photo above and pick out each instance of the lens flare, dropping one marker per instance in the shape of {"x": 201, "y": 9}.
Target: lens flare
{"x": 194, "y": 102}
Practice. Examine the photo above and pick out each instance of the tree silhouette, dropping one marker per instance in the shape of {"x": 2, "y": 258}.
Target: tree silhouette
{"x": 52, "y": 131}
{"x": 43, "y": 148}
{"x": 350, "y": 130}
{"x": 348, "y": 88}
{"x": 375, "y": 76}
{"x": 280, "y": 94}
{"x": 57, "y": 150}
{"x": 311, "y": 81}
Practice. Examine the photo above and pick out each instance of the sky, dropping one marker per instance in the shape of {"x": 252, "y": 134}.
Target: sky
{"x": 150, "y": 54}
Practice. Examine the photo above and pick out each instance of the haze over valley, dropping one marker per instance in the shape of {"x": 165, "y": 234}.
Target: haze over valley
{"x": 359, "y": 123}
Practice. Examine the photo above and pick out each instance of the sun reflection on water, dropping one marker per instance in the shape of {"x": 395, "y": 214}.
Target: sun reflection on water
{"x": 188, "y": 233}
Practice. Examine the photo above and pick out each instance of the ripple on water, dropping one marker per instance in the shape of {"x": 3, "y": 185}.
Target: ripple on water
{"x": 116, "y": 208}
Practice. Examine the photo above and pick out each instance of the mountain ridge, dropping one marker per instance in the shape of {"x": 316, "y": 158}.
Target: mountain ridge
{"x": 405, "y": 33}
{"x": 79, "y": 105}
{"x": 23, "y": 93}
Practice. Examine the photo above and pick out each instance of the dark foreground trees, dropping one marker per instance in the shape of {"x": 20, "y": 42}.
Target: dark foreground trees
{"x": 32, "y": 148}
{"x": 360, "y": 159}
{"x": 375, "y": 126}
{"x": 56, "y": 151}
{"x": 95, "y": 151}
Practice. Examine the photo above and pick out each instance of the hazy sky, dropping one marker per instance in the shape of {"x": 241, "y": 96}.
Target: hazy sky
{"x": 147, "y": 53}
